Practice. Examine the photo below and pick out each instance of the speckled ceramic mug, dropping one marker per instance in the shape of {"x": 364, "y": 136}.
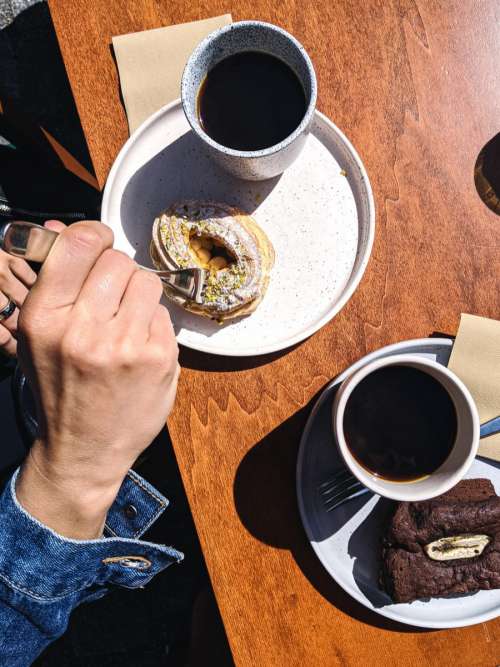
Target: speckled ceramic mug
{"x": 236, "y": 38}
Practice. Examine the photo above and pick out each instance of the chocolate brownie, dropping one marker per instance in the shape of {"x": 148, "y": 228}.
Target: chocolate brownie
{"x": 409, "y": 568}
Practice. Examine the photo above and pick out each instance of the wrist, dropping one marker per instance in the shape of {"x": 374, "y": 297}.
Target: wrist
{"x": 72, "y": 506}
{"x": 95, "y": 467}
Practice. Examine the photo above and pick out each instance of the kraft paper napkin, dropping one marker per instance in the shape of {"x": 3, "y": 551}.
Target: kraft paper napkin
{"x": 476, "y": 360}
{"x": 150, "y": 64}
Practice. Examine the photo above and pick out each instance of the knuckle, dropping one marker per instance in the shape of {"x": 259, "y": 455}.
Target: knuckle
{"x": 97, "y": 361}
{"x": 105, "y": 232}
{"x": 174, "y": 349}
{"x": 150, "y": 280}
{"x": 83, "y": 236}
{"x": 117, "y": 261}
{"x": 157, "y": 354}
{"x": 171, "y": 340}
{"x": 164, "y": 355}
{"x": 128, "y": 354}
{"x": 124, "y": 260}
{"x": 71, "y": 349}
{"x": 84, "y": 358}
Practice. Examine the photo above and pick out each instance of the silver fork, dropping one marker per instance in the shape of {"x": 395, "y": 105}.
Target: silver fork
{"x": 339, "y": 488}
{"x": 33, "y": 242}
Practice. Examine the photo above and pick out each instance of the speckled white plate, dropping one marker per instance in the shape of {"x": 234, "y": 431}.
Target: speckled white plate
{"x": 319, "y": 216}
{"x": 347, "y": 540}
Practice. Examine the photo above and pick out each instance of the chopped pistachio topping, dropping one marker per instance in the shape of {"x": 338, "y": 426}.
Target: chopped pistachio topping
{"x": 226, "y": 288}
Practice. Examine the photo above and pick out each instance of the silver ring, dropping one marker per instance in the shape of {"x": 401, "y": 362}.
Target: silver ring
{"x": 7, "y": 311}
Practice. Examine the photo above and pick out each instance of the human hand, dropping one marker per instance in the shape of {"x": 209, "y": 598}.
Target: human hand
{"x": 16, "y": 277}
{"x": 101, "y": 357}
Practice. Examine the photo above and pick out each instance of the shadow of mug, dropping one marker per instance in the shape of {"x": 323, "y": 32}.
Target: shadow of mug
{"x": 180, "y": 171}
{"x": 269, "y": 511}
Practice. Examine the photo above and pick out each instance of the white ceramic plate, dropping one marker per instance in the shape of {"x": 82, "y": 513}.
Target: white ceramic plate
{"x": 320, "y": 222}
{"x": 347, "y": 540}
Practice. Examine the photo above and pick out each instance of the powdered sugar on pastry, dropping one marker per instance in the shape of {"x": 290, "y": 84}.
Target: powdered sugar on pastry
{"x": 224, "y": 240}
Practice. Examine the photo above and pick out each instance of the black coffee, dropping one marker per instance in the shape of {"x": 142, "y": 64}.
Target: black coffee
{"x": 251, "y": 101}
{"x": 400, "y": 423}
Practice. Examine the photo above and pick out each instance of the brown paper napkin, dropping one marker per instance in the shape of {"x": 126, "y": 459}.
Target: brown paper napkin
{"x": 150, "y": 64}
{"x": 476, "y": 360}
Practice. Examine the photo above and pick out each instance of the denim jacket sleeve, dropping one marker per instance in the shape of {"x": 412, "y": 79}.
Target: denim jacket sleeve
{"x": 44, "y": 576}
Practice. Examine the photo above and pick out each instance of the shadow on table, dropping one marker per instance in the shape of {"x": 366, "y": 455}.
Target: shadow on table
{"x": 39, "y": 123}
{"x": 201, "y": 361}
{"x": 214, "y": 363}
{"x": 269, "y": 511}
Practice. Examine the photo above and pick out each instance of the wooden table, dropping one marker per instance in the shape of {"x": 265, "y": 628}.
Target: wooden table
{"x": 416, "y": 87}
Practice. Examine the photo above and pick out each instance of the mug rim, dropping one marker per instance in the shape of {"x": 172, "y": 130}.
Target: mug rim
{"x": 264, "y": 152}
{"x": 404, "y": 491}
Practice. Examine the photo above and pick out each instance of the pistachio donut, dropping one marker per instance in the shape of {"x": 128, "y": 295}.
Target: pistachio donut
{"x": 225, "y": 241}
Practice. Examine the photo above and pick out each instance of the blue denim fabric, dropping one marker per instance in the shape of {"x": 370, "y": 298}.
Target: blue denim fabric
{"x": 44, "y": 576}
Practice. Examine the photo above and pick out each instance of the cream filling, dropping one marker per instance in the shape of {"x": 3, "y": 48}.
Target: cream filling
{"x": 458, "y": 546}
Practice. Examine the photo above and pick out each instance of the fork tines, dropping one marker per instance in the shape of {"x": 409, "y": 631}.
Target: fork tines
{"x": 339, "y": 488}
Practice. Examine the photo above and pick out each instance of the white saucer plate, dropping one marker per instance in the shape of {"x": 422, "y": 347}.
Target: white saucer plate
{"x": 319, "y": 216}
{"x": 347, "y": 540}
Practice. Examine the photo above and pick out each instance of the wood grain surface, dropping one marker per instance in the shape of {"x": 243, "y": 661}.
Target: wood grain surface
{"x": 416, "y": 87}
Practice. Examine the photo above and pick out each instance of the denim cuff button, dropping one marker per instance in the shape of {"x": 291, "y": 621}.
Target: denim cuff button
{"x": 132, "y": 562}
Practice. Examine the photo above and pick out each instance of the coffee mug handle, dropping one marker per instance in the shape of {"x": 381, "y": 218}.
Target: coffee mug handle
{"x": 490, "y": 427}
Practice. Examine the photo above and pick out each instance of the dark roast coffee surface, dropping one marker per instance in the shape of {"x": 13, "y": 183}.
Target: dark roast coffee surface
{"x": 400, "y": 423}
{"x": 250, "y": 101}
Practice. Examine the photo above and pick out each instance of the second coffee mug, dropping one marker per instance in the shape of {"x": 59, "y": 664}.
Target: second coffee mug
{"x": 439, "y": 399}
